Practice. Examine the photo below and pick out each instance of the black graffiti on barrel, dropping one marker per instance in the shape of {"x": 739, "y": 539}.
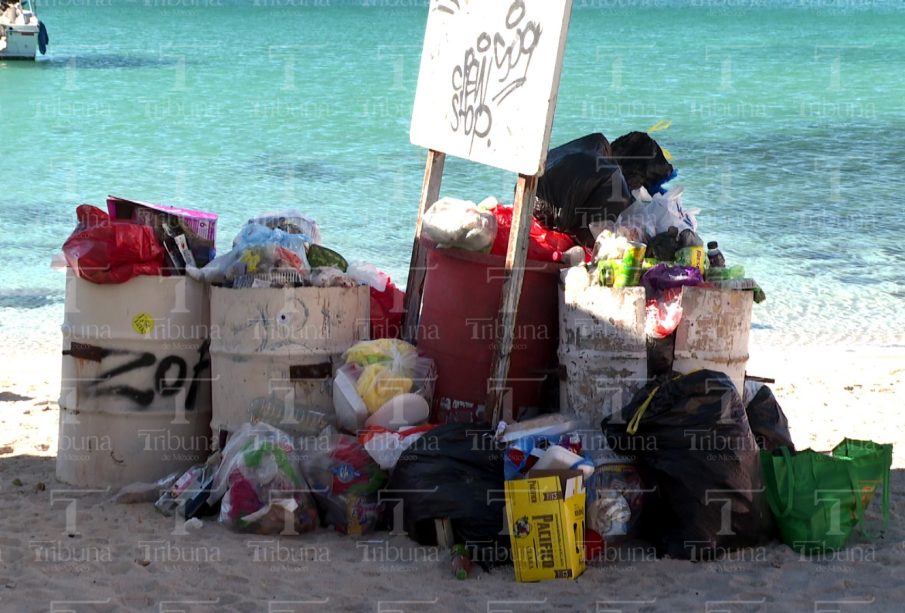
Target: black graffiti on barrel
{"x": 506, "y": 59}
{"x": 165, "y": 383}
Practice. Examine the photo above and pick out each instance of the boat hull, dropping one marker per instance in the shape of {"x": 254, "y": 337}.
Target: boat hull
{"x": 21, "y": 43}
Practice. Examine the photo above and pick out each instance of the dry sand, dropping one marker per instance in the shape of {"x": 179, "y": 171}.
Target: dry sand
{"x": 93, "y": 555}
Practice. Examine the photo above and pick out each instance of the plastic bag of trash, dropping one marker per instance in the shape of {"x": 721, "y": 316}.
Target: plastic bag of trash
{"x": 653, "y": 215}
{"x": 261, "y": 484}
{"x": 451, "y": 222}
{"x": 389, "y": 368}
{"x": 345, "y": 481}
{"x": 104, "y": 251}
{"x": 615, "y": 497}
{"x": 768, "y": 422}
{"x": 581, "y": 185}
{"x": 544, "y": 245}
{"x": 257, "y": 249}
{"x": 691, "y": 441}
{"x": 290, "y": 221}
{"x": 386, "y": 446}
{"x": 642, "y": 161}
{"x": 455, "y": 471}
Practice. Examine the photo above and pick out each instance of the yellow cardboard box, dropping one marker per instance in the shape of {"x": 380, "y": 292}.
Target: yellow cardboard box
{"x": 546, "y": 524}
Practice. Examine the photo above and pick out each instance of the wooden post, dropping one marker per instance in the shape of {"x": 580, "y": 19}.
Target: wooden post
{"x": 430, "y": 192}
{"x": 513, "y": 276}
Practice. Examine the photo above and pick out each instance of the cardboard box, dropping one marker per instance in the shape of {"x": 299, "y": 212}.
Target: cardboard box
{"x": 546, "y": 515}
{"x": 198, "y": 228}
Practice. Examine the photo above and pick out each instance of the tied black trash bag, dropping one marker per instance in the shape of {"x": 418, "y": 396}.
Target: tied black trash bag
{"x": 768, "y": 422}
{"x": 455, "y": 471}
{"x": 690, "y": 438}
{"x": 642, "y": 161}
{"x": 581, "y": 184}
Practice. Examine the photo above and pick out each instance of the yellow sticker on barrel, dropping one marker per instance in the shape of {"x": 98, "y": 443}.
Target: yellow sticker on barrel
{"x": 143, "y": 323}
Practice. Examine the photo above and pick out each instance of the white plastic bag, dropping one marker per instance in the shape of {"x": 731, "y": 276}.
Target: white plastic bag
{"x": 451, "y": 222}
{"x": 653, "y": 215}
{"x": 368, "y": 274}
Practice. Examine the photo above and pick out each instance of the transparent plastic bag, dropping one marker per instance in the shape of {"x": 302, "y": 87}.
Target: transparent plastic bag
{"x": 615, "y": 495}
{"x": 663, "y": 314}
{"x": 261, "y": 484}
{"x": 256, "y": 249}
{"x": 451, "y": 222}
{"x": 653, "y": 215}
{"x": 389, "y": 368}
{"x": 346, "y": 480}
{"x": 290, "y": 221}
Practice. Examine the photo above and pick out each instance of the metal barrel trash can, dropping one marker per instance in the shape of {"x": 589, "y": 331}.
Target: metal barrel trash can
{"x": 602, "y": 349}
{"x": 605, "y": 355}
{"x": 135, "y": 398}
{"x": 460, "y": 330}
{"x": 274, "y": 353}
{"x": 713, "y": 332}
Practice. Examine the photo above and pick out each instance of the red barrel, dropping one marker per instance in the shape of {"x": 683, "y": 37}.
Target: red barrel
{"x": 460, "y": 329}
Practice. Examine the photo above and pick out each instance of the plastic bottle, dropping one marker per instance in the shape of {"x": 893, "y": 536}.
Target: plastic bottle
{"x": 460, "y": 562}
{"x": 715, "y": 255}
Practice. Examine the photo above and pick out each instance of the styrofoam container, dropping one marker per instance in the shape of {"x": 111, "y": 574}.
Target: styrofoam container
{"x": 351, "y": 411}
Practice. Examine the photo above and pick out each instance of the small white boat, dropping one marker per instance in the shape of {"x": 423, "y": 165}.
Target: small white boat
{"x": 22, "y": 34}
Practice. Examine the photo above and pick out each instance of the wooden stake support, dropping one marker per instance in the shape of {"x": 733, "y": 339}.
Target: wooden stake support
{"x": 513, "y": 277}
{"x": 414, "y": 289}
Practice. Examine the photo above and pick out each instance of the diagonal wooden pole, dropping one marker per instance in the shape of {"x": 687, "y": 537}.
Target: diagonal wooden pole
{"x": 430, "y": 192}
{"x": 513, "y": 276}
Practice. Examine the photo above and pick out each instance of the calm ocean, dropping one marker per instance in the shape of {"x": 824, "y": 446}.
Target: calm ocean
{"x": 788, "y": 130}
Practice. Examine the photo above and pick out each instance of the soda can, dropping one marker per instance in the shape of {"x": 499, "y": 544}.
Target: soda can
{"x": 692, "y": 256}
{"x": 628, "y": 271}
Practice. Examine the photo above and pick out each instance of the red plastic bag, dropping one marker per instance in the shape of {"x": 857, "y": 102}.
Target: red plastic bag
{"x": 104, "y": 251}
{"x": 387, "y": 308}
{"x": 544, "y": 244}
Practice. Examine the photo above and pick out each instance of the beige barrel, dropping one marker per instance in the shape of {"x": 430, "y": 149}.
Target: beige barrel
{"x": 135, "y": 398}
{"x": 713, "y": 332}
{"x": 274, "y": 353}
{"x": 602, "y": 349}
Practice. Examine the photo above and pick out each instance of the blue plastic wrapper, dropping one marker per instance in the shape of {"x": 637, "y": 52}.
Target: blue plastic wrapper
{"x": 517, "y": 458}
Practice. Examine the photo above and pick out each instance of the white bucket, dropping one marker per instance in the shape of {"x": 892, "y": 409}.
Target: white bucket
{"x": 274, "y": 353}
{"x": 135, "y": 399}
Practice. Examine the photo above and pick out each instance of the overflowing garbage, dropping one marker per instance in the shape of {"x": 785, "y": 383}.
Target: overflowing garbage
{"x": 695, "y": 460}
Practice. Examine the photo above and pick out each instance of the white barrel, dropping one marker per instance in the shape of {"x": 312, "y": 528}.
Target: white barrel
{"x": 135, "y": 398}
{"x": 274, "y": 353}
{"x": 602, "y": 349}
{"x": 713, "y": 332}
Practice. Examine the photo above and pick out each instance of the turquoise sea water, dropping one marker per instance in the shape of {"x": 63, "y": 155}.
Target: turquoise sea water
{"x": 788, "y": 130}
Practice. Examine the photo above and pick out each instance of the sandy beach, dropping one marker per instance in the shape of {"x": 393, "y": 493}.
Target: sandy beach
{"x": 64, "y": 549}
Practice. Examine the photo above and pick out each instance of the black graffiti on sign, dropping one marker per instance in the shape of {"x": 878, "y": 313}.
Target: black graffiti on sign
{"x": 491, "y": 69}
{"x": 171, "y": 374}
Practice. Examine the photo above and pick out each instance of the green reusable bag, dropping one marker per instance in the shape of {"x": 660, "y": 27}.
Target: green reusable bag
{"x": 818, "y": 498}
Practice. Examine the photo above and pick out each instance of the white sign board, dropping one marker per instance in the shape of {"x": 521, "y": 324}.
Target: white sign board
{"x": 488, "y": 80}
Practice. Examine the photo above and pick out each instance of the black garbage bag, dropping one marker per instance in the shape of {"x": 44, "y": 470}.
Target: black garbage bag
{"x": 693, "y": 443}
{"x": 581, "y": 184}
{"x": 642, "y": 160}
{"x": 455, "y": 471}
{"x": 768, "y": 422}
